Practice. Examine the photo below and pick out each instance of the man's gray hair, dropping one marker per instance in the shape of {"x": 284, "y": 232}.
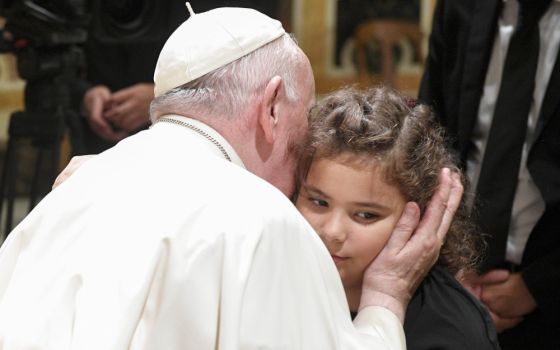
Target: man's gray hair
{"x": 228, "y": 90}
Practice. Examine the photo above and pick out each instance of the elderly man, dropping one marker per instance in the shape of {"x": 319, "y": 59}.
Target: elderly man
{"x": 210, "y": 254}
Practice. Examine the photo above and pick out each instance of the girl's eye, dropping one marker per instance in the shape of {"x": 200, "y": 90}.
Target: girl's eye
{"x": 319, "y": 202}
{"x": 364, "y": 215}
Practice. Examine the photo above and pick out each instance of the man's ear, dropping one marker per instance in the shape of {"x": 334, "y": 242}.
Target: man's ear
{"x": 268, "y": 114}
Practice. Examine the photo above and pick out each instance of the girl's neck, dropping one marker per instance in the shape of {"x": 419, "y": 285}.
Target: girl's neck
{"x": 353, "y": 295}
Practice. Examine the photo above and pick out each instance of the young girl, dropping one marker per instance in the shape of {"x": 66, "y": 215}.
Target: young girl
{"x": 367, "y": 154}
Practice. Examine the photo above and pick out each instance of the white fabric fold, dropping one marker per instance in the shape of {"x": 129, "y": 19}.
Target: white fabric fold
{"x": 160, "y": 243}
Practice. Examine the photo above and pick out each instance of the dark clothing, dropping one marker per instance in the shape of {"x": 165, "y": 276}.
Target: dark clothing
{"x": 461, "y": 42}
{"x": 123, "y": 54}
{"x": 123, "y": 45}
{"x": 126, "y": 37}
{"x": 443, "y": 315}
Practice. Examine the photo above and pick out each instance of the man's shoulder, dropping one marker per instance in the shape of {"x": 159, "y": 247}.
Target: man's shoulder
{"x": 243, "y": 210}
{"x": 248, "y": 192}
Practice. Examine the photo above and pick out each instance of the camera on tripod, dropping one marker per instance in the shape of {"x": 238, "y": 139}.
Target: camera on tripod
{"x": 46, "y": 37}
{"x": 41, "y": 32}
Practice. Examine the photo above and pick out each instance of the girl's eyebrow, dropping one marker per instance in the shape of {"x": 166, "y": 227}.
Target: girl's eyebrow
{"x": 315, "y": 190}
{"x": 372, "y": 205}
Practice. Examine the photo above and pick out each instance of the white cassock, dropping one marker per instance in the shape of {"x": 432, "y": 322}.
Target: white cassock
{"x": 160, "y": 243}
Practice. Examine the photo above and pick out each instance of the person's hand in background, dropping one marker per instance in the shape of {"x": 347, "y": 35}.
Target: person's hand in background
{"x": 130, "y": 107}
{"x": 507, "y": 298}
{"x": 97, "y": 101}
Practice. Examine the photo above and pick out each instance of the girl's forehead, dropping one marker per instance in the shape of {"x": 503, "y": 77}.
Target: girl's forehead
{"x": 349, "y": 180}
{"x": 367, "y": 162}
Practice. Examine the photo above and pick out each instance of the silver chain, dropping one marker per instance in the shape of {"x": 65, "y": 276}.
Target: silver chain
{"x": 198, "y": 130}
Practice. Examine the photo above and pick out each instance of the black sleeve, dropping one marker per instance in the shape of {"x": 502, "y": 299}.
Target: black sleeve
{"x": 541, "y": 263}
{"x": 443, "y": 315}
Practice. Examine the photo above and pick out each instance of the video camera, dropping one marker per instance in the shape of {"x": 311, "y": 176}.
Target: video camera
{"x": 40, "y": 33}
{"x": 46, "y": 37}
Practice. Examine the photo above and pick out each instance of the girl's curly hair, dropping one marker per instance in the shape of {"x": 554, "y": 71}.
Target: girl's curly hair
{"x": 406, "y": 140}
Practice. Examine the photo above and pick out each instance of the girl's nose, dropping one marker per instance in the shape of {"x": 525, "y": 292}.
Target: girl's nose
{"x": 333, "y": 229}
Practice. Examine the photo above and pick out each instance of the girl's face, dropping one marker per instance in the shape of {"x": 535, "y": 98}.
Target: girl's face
{"x": 352, "y": 209}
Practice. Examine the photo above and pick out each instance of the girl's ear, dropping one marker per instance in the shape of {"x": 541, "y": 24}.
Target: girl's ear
{"x": 268, "y": 114}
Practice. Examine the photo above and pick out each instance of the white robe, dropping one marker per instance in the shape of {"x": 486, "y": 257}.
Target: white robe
{"x": 160, "y": 243}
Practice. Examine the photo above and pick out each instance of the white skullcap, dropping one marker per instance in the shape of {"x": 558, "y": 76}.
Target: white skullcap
{"x": 210, "y": 40}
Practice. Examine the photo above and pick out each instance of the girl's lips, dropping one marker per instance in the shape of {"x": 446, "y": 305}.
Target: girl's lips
{"x": 337, "y": 258}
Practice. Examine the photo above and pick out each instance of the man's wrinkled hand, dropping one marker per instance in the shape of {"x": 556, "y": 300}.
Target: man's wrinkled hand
{"x": 412, "y": 249}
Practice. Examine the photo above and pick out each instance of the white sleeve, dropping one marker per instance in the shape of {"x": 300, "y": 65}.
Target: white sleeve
{"x": 268, "y": 284}
{"x": 200, "y": 277}
{"x": 379, "y": 320}
{"x": 293, "y": 297}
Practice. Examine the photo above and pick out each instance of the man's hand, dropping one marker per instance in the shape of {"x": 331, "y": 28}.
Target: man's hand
{"x": 130, "y": 107}
{"x": 507, "y": 298}
{"x": 473, "y": 282}
{"x": 394, "y": 275}
{"x": 503, "y": 323}
{"x": 97, "y": 101}
{"x": 71, "y": 168}
{"x": 470, "y": 281}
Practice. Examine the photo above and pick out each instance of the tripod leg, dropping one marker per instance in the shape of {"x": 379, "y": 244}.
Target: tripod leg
{"x": 36, "y": 177}
{"x": 52, "y": 172}
{"x": 76, "y": 133}
{"x": 11, "y": 184}
{"x": 56, "y": 158}
{"x": 5, "y": 172}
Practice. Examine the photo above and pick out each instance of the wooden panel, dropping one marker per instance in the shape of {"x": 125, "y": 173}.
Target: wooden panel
{"x": 11, "y": 94}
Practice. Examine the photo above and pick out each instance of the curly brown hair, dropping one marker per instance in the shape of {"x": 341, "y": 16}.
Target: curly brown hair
{"x": 381, "y": 124}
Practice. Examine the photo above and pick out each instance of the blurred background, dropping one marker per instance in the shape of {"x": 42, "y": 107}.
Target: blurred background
{"x": 360, "y": 42}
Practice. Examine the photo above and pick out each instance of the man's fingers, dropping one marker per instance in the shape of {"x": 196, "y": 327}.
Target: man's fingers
{"x": 106, "y": 132}
{"x": 97, "y": 122}
{"x": 96, "y": 108}
{"x": 503, "y": 323}
{"x": 404, "y": 227}
{"x": 118, "y": 112}
{"x": 494, "y": 276}
{"x": 140, "y": 91}
{"x": 103, "y": 129}
{"x": 122, "y": 95}
{"x": 429, "y": 227}
{"x": 96, "y": 101}
{"x": 134, "y": 122}
{"x": 453, "y": 202}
